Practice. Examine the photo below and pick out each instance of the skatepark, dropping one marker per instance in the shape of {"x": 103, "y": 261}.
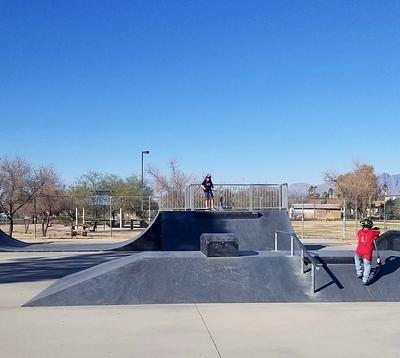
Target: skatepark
{"x": 219, "y": 306}
{"x": 232, "y": 282}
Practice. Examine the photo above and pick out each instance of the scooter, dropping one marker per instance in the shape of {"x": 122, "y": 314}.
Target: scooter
{"x": 378, "y": 263}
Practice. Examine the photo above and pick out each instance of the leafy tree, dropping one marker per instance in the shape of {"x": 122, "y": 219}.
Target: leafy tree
{"x": 393, "y": 208}
{"x": 312, "y": 192}
{"x": 384, "y": 190}
{"x": 94, "y": 190}
{"x": 357, "y": 187}
{"x": 330, "y": 193}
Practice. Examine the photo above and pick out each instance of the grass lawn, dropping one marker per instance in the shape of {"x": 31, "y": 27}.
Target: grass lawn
{"x": 62, "y": 232}
{"x": 314, "y": 229}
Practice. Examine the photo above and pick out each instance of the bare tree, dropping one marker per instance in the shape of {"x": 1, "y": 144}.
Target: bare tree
{"x": 171, "y": 186}
{"x": 175, "y": 180}
{"x": 50, "y": 199}
{"x": 19, "y": 184}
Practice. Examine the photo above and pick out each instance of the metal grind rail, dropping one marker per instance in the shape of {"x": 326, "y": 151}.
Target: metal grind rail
{"x": 303, "y": 253}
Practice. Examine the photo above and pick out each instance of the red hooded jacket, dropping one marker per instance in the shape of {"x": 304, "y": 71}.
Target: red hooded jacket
{"x": 365, "y": 245}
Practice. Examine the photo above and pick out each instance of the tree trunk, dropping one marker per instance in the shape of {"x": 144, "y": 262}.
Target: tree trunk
{"x": 45, "y": 225}
{"x": 11, "y": 225}
{"x": 27, "y": 223}
{"x": 94, "y": 226}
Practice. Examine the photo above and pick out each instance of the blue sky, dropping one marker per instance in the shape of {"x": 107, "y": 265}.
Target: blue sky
{"x": 255, "y": 91}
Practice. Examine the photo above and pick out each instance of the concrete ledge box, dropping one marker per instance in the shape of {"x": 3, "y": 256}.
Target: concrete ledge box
{"x": 219, "y": 244}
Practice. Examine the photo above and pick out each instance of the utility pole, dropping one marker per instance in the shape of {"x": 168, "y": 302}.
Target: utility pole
{"x": 142, "y": 188}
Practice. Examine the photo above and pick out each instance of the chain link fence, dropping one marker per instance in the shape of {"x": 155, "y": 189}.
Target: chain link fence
{"x": 67, "y": 216}
{"x": 316, "y": 219}
{"x": 89, "y": 216}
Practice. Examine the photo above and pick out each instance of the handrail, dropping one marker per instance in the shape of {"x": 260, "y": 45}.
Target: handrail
{"x": 240, "y": 196}
{"x": 303, "y": 251}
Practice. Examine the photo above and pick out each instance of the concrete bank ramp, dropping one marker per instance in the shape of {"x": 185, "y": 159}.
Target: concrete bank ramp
{"x": 181, "y": 230}
{"x": 191, "y": 277}
{"x": 181, "y": 277}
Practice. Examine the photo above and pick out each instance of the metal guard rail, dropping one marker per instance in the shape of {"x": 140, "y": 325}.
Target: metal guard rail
{"x": 303, "y": 252}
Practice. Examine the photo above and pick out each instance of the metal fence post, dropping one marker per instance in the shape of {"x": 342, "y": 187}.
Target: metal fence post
{"x": 35, "y": 216}
{"x": 111, "y": 214}
{"x": 291, "y": 245}
{"x": 191, "y": 197}
{"x": 149, "y": 209}
{"x": 344, "y": 221}
{"x": 276, "y": 241}
{"x": 302, "y": 218}
{"x": 313, "y": 278}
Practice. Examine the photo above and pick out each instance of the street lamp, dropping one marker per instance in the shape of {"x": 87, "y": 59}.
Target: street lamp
{"x": 143, "y": 152}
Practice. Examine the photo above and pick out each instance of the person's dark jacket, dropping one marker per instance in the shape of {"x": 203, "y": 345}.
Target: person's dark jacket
{"x": 208, "y": 185}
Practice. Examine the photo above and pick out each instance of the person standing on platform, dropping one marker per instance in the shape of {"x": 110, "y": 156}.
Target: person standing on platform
{"x": 208, "y": 187}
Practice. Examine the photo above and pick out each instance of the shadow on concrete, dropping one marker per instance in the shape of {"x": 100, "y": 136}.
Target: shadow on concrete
{"x": 45, "y": 268}
{"x": 314, "y": 247}
{"x": 248, "y": 253}
{"x": 392, "y": 264}
{"x": 332, "y": 276}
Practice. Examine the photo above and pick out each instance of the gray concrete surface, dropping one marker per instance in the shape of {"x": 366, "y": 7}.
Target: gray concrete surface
{"x": 202, "y": 330}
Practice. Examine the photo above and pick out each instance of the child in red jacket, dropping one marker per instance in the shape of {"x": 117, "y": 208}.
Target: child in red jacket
{"x": 363, "y": 256}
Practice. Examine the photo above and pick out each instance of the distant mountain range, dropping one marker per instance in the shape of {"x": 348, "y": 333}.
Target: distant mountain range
{"x": 391, "y": 180}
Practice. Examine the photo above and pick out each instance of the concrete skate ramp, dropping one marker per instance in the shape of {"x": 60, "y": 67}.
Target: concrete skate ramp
{"x": 191, "y": 277}
{"x": 338, "y": 282}
{"x": 7, "y": 241}
{"x": 181, "y": 230}
{"x": 180, "y": 277}
{"x": 390, "y": 240}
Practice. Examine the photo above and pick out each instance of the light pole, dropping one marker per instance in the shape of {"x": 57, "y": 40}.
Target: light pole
{"x": 143, "y": 152}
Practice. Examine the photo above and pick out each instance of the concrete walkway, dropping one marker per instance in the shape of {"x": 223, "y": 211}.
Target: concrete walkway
{"x": 203, "y": 330}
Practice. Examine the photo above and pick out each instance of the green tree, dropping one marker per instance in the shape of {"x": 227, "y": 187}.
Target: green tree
{"x": 312, "y": 192}
{"x": 357, "y": 187}
{"x": 97, "y": 192}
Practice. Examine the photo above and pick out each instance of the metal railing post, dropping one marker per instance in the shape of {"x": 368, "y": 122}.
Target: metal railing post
{"x": 313, "y": 278}
{"x": 191, "y": 198}
{"x": 291, "y": 245}
{"x": 276, "y": 241}
{"x": 302, "y": 261}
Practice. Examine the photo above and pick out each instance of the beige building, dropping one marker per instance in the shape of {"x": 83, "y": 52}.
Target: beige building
{"x": 314, "y": 211}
